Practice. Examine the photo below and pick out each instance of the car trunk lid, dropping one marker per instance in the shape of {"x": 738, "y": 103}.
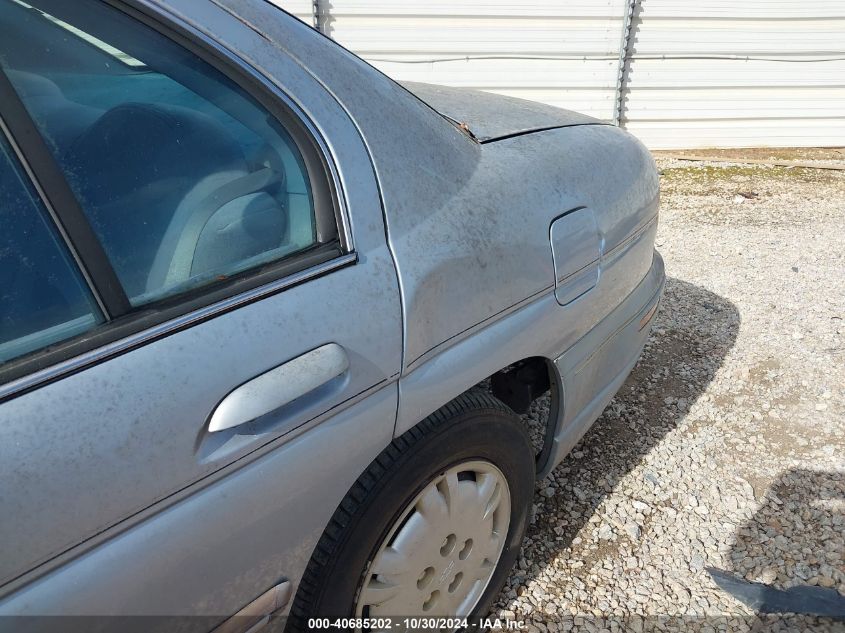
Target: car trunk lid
{"x": 490, "y": 117}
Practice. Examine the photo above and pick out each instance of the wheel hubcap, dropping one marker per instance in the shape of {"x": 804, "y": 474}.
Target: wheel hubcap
{"x": 440, "y": 555}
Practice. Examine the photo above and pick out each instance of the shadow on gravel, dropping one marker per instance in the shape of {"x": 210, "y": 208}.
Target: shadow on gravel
{"x": 789, "y": 557}
{"x": 692, "y": 334}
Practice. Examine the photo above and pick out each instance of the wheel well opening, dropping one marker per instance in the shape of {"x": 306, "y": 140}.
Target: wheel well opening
{"x": 530, "y": 387}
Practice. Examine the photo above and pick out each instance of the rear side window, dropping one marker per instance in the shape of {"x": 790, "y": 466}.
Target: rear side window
{"x": 43, "y": 299}
{"x": 183, "y": 176}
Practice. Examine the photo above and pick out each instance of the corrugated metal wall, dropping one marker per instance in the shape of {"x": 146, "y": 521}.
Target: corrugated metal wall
{"x": 697, "y": 74}
{"x": 737, "y": 73}
{"x": 303, "y": 9}
{"x": 562, "y": 53}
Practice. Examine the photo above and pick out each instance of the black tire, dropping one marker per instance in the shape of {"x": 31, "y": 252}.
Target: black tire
{"x": 473, "y": 426}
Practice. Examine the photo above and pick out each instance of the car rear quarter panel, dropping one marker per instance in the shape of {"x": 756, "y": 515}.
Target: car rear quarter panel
{"x": 501, "y": 292}
{"x": 485, "y": 248}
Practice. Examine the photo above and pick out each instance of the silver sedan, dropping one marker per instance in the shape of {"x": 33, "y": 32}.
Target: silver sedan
{"x": 268, "y": 318}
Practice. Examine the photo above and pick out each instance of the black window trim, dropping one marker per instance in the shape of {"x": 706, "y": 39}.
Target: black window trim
{"x": 61, "y": 203}
{"x": 127, "y": 328}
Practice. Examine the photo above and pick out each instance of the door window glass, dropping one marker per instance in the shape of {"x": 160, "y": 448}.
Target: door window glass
{"x": 184, "y": 177}
{"x": 43, "y": 298}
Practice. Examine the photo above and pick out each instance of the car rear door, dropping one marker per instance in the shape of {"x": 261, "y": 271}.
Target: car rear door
{"x": 201, "y": 328}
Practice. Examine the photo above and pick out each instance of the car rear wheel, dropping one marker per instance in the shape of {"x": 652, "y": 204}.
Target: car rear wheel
{"x": 441, "y": 552}
{"x": 432, "y": 527}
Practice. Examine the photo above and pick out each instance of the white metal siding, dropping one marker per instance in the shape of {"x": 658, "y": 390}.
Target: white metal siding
{"x": 737, "y": 73}
{"x": 699, "y": 74}
{"x": 303, "y": 9}
{"x": 562, "y": 53}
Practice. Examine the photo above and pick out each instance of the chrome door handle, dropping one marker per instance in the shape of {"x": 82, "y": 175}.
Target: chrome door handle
{"x": 279, "y": 386}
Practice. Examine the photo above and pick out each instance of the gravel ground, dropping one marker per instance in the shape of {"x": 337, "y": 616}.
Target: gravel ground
{"x": 804, "y": 154}
{"x": 726, "y": 446}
